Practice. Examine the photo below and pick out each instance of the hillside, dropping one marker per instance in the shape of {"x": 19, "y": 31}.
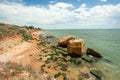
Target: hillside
{"x": 7, "y": 30}
{"x": 17, "y": 44}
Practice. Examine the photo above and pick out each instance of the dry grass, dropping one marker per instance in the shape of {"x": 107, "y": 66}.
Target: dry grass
{"x": 7, "y": 30}
{"x": 14, "y": 71}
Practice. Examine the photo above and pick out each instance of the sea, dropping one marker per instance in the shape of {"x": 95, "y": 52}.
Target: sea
{"x": 104, "y": 41}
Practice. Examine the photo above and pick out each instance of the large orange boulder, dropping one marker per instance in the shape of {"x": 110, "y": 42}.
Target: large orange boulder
{"x": 76, "y": 47}
{"x": 63, "y": 42}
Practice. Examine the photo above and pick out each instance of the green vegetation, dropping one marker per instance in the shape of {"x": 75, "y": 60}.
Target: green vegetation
{"x": 31, "y": 27}
{"x": 77, "y": 61}
{"x": 27, "y": 37}
{"x": 64, "y": 69}
{"x": 26, "y": 68}
{"x": 47, "y": 61}
{"x": 88, "y": 59}
{"x": 96, "y": 73}
{"x": 57, "y": 75}
{"x": 61, "y": 74}
{"x": 42, "y": 67}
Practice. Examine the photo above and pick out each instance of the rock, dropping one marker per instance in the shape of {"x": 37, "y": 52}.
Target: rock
{"x": 35, "y": 36}
{"x": 107, "y": 61}
{"x": 88, "y": 59}
{"x": 68, "y": 58}
{"x": 63, "y": 42}
{"x": 48, "y": 39}
{"x": 97, "y": 74}
{"x": 53, "y": 45}
{"x": 76, "y": 47}
{"x": 50, "y": 36}
{"x": 93, "y": 53}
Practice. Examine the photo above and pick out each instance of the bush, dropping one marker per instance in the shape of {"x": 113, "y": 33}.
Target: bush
{"x": 27, "y": 37}
{"x": 57, "y": 75}
{"x": 29, "y": 27}
{"x": 64, "y": 69}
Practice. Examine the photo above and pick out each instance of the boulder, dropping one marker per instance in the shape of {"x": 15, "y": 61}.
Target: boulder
{"x": 93, "y": 53}
{"x": 76, "y": 47}
{"x": 63, "y": 42}
{"x": 35, "y": 36}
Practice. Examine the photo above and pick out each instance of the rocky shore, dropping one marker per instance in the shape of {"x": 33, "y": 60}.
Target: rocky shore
{"x": 39, "y": 56}
{"x": 63, "y": 66}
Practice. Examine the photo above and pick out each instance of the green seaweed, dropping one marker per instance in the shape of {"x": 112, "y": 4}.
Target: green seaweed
{"x": 88, "y": 59}
{"x": 96, "y": 73}
{"x": 77, "y": 62}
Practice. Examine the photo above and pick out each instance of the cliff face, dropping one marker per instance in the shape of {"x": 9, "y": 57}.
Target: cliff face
{"x": 18, "y": 51}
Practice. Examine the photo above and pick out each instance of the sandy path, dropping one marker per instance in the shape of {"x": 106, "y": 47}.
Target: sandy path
{"x": 8, "y": 56}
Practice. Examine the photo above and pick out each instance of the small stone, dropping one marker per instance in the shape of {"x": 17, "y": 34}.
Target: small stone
{"x": 68, "y": 58}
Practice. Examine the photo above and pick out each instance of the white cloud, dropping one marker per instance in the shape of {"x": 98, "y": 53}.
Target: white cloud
{"x": 7, "y": 1}
{"x": 63, "y": 5}
{"x": 104, "y": 0}
{"x": 61, "y": 15}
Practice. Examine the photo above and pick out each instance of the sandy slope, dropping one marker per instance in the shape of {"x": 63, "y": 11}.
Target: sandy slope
{"x": 8, "y": 56}
{"x": 19, "y": 51}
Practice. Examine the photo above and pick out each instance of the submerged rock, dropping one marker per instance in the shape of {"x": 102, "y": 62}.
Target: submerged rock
{"x": 63, "y": 42}
{"x": 107, "y": 61}
{"x": 93, "y": 53}
{"x": 88, "y": 59}
{"x": 76, "y": 47}
{"x": 97, "y": 73}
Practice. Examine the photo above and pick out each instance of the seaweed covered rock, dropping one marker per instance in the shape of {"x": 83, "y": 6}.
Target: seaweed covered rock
{"x": 63, "y": 42}
{"x": 93, "y": 53}
{"x": 88, "y": 59}
{"x": 97, "y": 73}
{"x": 76, "y": 47}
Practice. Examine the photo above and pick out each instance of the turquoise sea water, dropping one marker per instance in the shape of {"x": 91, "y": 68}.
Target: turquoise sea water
{"x": 105, "y": 41}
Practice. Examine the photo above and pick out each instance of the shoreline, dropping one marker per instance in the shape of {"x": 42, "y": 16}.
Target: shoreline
{"x": 53, "y": 61}
{"x": 88, "y": 65}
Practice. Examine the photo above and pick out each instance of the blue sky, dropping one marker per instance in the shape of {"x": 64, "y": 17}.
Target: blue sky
{"x": 62, "y": 14}
{"x": 74, "y": 2}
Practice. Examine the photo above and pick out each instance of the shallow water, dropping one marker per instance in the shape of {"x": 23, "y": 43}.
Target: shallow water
{"x": 105, "y": 41}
